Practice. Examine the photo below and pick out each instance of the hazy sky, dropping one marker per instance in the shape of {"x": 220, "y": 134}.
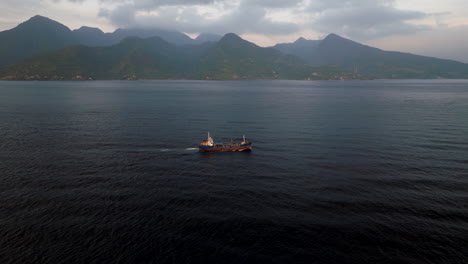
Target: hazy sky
{"x": 427, "y": 27}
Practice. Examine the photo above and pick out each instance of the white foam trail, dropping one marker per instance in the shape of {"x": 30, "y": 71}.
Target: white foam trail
{"x": 191, "y": 149}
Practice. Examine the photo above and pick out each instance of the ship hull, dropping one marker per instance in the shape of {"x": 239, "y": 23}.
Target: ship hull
{"x": 209, "y": 145}
{"x": 225, "y": 149}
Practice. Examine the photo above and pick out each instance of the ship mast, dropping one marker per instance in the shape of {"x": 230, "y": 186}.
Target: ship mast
{"x": 210, "y": 140}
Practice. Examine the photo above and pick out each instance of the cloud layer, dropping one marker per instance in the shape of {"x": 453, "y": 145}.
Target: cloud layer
{"x": 359, "y": 19}
{"x": 212, "y": 16}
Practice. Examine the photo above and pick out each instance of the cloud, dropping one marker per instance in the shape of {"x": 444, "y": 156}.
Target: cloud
{"x": 273, "y": 3}
{"x": 323, "y": 5}
{"x": 356, "y": 19}
{"x": 151, "y": 4}
{"x": 121, "y": 16}
{"x": 364, "y": 19}
{"x": 72, "y": 1}
{"x": 250, "y": 19}
{"x": 243, "y": 17}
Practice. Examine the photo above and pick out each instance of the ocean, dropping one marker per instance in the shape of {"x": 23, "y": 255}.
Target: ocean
{"x": 340, "y": 172}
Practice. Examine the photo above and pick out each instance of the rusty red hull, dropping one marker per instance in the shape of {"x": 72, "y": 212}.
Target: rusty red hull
{"x": 224, "y": 149}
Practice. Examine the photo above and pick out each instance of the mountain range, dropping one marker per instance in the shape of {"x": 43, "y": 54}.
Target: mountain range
{"x": 40, "y": 34}
{"x": 373, "y": 62}
{"x": 154, "y": 58}
{"x": 41, "y": 48}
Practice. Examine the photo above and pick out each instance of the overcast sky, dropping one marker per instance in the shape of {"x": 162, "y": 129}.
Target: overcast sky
{"x": 426, "y": 27}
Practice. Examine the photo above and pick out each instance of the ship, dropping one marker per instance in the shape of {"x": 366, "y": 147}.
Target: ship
{"x": 208, "y": 145}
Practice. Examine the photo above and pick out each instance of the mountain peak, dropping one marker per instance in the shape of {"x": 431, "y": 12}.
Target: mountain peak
{"x": 39, "y": 18}
{"x": 333, "y": 39}
{"x": 299, "y": 40}
{"x": 231, "y": 37}
{"x": 234, "y": 41}
{"x": 39, "y": 22}
{"x": 333, "y": 36}
{"x": 88, "y": 30}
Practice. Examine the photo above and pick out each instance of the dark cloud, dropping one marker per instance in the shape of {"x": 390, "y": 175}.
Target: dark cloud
{"x": 121, "y": 16}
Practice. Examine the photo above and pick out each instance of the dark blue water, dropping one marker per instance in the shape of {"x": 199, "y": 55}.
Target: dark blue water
{"x": 341, "y": 172}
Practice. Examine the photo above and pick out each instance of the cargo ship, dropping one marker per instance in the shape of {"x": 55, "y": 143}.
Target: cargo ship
{"x": 208, "y": 145}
